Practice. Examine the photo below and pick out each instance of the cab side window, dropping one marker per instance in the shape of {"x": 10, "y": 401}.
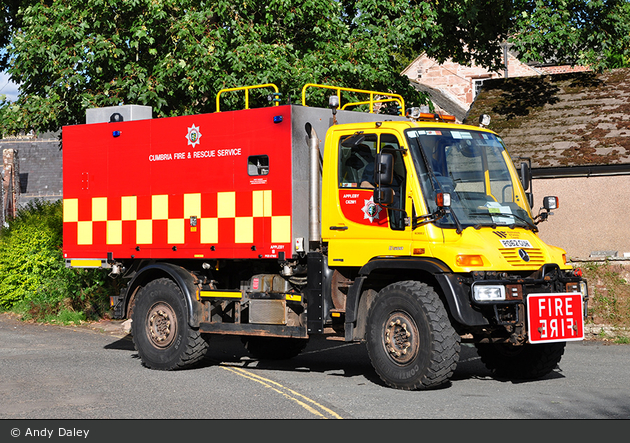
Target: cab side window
{"x": 356, "y": 162}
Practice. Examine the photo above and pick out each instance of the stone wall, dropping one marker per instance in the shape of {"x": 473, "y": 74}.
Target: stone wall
{"x": 40, "y": 171}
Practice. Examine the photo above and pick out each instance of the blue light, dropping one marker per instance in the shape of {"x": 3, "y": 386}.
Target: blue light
{"x": 277, "y": 119}
{"x": 116, "y": 133}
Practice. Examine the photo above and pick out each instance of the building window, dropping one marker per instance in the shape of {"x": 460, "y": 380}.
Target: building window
{"x": 477, "y": 85}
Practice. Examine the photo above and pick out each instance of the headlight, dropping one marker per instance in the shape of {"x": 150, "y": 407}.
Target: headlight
{"x": 488, "y": 293}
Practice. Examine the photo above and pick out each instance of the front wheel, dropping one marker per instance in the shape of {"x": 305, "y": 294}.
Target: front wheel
{"x": 411, "y": 342}
{"x": 161, "y": 333}
{"x": 524, "y": 362}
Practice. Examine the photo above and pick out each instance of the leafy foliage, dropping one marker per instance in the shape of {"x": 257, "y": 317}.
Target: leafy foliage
{"x": 586, "y": 32}
{"x": 175, "y": 55}
{"x": 33, "y": 276}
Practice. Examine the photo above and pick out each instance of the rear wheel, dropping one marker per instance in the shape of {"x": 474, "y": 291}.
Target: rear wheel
{"x": 161, "y": 333}
{"x": 525, "y": 362}
{"x": 410, "y": 340}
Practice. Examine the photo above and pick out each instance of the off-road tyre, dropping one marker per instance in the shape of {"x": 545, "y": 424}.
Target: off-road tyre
{"x": 273, "y": 348}
{"x": 526, "y": 362}
{"x": 161, "y": 332}
{"x": 410, "y": 340}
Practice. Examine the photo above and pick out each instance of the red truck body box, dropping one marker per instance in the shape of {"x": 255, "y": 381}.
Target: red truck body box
{"x": 179, "y": 187}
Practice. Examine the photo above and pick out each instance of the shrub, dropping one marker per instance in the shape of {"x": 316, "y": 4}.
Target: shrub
{"x": 33, "y": 277}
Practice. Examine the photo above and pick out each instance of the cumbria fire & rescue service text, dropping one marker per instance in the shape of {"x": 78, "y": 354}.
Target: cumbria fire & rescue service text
{"x": 195, "y": 154}
{"x": 49, "y": 433}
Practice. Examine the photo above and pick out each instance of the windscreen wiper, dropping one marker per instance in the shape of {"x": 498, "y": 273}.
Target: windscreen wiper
{"x": 529, "y": 224}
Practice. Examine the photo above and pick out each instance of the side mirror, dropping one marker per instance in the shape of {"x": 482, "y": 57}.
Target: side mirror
{"x": 525, "y": 175}
{"x": 384, "y": 170}
{"x": 383, "y": 196}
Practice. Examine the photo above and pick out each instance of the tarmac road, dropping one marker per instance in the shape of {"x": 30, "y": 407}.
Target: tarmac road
{"x": 76, "y": 373}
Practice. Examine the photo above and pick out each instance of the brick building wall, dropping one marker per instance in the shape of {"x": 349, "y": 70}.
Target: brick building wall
{"x": 458, "y": 81}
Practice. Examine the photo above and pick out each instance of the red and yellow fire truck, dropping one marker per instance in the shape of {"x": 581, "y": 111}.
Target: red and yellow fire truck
{"x": 409, "y": 232}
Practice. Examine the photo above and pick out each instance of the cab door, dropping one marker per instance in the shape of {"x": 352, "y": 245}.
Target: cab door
{"x": 355, "y": 227}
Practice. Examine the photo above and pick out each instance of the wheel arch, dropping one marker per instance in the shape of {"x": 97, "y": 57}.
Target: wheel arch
{"x": 378, "y": 273}
{"x": 180, "y": 276}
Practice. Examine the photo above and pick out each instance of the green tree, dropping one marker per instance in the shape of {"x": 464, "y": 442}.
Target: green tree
{"x": 585, "y": 32}
{"x": 175, "y": 55}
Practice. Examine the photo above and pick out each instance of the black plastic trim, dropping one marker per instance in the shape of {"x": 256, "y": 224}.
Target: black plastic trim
{"x": 456, "y": 295}
{"x": 179, "y": 275}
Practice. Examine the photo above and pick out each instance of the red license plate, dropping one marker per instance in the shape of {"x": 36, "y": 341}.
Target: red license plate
{"x": 555, "y": 317}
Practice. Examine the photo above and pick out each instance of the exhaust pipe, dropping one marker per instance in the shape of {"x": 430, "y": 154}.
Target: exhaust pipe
{"x": 314, "y": 233}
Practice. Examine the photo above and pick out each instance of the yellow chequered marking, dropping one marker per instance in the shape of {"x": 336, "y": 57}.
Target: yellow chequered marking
{"x": 144, "y": 232}
{"x": 261, "y": 203}
{"x": 129, "y": 208}
{"x": 208, "y": 228}
{"x": 258, "y": 203}
{"x": 244, "y": 230}
{"x": 99, "y": 209}
{"x": 176, "y": 231}
{"x": 71, "y": 210}
{"x": 281, "y": 229}
{"x": 159, "y": 207}
{"x": 84, "y": 233}
{"x": 192, "y": 205}
{"x": 267, "y": 206}
{"x": 226, "y": 204}
{"x": 114, "y": 232}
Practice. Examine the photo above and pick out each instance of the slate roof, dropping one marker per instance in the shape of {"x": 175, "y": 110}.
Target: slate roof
{"x": 442, "y": 100}
{"x": 577, "y": 120}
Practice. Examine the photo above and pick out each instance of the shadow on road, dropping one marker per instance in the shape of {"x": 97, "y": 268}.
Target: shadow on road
{"x": 123, "y": 344}
{"x": 324, "y": 355}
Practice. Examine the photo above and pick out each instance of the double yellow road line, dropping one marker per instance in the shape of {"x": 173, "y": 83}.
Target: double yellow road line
{"x": 310, "y": 405}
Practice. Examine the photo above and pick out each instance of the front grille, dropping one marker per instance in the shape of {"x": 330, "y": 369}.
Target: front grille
{"x": 536, "y": 257}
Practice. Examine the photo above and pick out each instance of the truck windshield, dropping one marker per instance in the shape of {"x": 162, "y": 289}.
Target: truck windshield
{"x": 471, "y": 166}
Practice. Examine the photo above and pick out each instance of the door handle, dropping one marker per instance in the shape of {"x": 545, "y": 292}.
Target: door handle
{"x": 338, "y": 228}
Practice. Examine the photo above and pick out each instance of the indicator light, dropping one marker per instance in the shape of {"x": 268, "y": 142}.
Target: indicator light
{"x": 469, "y": 260}
{"x": 116, "y": 133}
{"x": 277, "y": 119}
{"x": 443, "y": 199}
